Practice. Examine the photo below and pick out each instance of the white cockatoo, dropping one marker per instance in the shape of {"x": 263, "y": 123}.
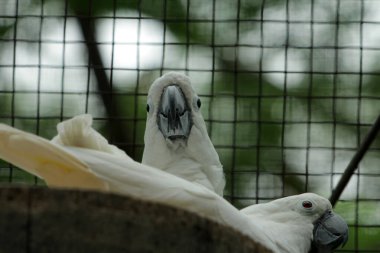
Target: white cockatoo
{"x": 302, "y": 222}
{"x": 287, "y": 225}
{"x": 176, "y": 138}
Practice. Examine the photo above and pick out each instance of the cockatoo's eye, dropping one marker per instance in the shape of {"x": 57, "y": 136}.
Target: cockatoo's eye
{"x": 199, "y": 103}
{"x": 196, "y": 103}
{"x": 307, "y": 204}
{"x": 149, "y": 106}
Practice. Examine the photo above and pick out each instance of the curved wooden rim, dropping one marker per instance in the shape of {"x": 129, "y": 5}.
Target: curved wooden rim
{"x": 39, "y": 219}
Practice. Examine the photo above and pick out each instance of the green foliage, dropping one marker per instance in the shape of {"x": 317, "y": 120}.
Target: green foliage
{"x": 4, "y": 29}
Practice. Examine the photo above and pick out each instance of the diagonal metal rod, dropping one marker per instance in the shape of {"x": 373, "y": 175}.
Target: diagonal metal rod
{"x": 353, "y": 165}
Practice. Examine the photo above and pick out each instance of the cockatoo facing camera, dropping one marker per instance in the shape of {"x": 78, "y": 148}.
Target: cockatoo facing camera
{"x": 176, "y": 138}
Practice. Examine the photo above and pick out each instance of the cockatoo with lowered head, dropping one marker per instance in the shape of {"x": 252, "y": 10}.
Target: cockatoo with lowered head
{"x": 176, "y": 138}
{"x": 286, "y": 225}
{"x": 301, "y": 222}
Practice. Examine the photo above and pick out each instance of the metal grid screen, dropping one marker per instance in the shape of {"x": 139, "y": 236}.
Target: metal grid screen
{"x": 288, "y": 88}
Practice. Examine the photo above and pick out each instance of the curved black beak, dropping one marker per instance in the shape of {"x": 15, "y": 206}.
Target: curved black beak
{"x": 174, "y": 114}
{"x": 330, "y": 231}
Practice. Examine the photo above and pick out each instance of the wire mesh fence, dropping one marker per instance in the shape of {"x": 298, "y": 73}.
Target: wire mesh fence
{"x": 288, "y": 88}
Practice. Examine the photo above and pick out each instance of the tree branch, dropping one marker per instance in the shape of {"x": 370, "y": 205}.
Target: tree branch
{"x": 103, "y": 84}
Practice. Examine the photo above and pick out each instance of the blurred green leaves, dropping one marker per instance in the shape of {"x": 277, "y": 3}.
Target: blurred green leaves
{"x": 4, "y": 29}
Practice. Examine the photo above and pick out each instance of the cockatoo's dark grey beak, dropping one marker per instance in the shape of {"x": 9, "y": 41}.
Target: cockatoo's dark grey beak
{"x": 330, "y": 231}
{"x": 174, "y": 114}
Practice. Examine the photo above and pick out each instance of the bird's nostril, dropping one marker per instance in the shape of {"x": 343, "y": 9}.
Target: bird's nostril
{"x": 336, "y": 233}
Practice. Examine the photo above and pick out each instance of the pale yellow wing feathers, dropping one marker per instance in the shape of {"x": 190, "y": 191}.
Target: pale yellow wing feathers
{"x": 46, "y": 160}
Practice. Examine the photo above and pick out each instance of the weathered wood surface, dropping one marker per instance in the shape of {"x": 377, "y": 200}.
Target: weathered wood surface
{"x": 37, "y": 219}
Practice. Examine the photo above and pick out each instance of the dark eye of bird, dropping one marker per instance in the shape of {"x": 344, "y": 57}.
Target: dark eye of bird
{"x": 147, "y": 108}
{"x": 307, "y": 204}
{"x": 199, "y": 103}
